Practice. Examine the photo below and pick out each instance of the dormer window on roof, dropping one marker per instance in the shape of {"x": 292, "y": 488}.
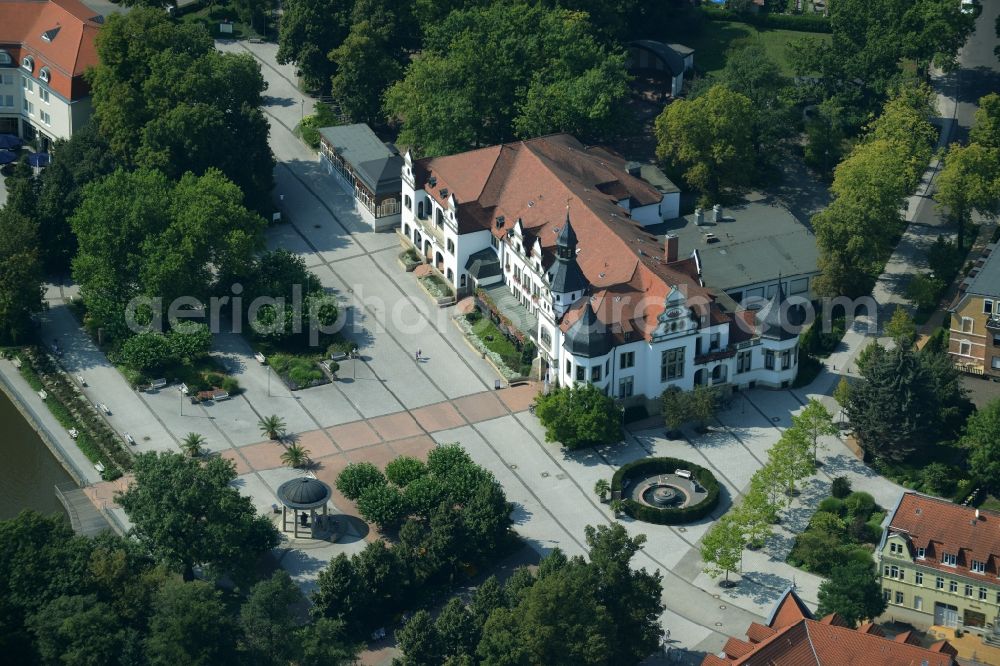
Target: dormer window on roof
{"x": 5, "y": 58}
{"x": 49, "y": 35}
{"x": 28, "y": 63}
{"x": 45, "y": 74}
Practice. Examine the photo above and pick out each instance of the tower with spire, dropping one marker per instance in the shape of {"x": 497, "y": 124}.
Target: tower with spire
{"x": 566, "y": 281}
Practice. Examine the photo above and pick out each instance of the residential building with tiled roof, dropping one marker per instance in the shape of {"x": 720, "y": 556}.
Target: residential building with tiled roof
{"x": 974, "y": 339}
{"x": 46, "y": 46}
{"x": 607, "y": 301}
{"x": 940, "y": 564}
{"x": 793, "y": 637}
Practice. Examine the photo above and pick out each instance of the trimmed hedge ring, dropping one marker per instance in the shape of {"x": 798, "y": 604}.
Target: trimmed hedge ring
{"x": 667, "y": 516}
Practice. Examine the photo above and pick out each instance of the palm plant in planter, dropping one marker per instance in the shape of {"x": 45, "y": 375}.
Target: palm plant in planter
{"x": 192, "y": 443}
{"x": 273, "y": 426}
{"x": 602, "y": 488}
{"x": 617, "y": 507}
{"x": 295, "y": 455}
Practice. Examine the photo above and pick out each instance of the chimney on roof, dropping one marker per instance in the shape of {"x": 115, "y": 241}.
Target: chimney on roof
{"x": 633, "y": 169}
{"x": 717, "y": 213}
{"x": 977, "y": 514}
{"x": 699, "y": 216}
{"x": 671, "y": 246}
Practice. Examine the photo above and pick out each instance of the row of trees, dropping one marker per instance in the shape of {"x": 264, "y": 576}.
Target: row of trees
{"x": 856, "y": 232}
{"x": 484, "y": 72}
{"x": 133, "y": 601}
{"x": 594, "y": 611}
{"x": 792, "y": 458}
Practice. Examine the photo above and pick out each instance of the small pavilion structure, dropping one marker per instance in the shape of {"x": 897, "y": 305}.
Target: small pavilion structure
{"x": 301, "y": 495}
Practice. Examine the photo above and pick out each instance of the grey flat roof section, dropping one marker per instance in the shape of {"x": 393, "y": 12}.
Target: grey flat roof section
{"x": 755, "y": 242}
{"x": 987, "y": 280}
{"x": 378, "y": 166}
{"x": 674, "y": 60}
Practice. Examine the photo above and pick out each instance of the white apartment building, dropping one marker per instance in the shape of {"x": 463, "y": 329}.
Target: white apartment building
{"x": 563, "y": 229}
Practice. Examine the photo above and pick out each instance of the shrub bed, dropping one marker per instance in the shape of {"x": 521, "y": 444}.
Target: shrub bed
{"x": 799, "y": 22}
{"x": 667, "y": 516}
{"x": 841, "y": 529}
{"x": 298, "y": 372}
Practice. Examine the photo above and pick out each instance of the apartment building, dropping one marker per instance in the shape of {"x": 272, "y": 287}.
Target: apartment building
{"x": 45, "y": 48}
{"x": 939, "y": 564}
{"x": 974, "y": 340}
{"x": 793, "y": 637}
{"x": 567, "y": 233}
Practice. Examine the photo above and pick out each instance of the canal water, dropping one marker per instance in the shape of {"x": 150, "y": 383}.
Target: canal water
{"x": 28, "y": 471}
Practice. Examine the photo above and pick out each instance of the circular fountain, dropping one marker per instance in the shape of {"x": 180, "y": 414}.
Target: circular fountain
{"x": 664, "y": 495}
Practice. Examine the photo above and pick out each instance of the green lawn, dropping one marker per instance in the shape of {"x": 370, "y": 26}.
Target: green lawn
{"x": 210, "y": 16}
{"x": 500, "y": 344}
{"x": 715, "y": 37}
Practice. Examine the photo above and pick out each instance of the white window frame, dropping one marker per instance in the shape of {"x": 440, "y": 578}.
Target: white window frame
{"x": 987, "y": 306}
{"x": 964, "y": 348}
{"x": 949, "y": 559}
{"x": 45, "y": 74}
{"x": 44, "y": 94}
{"x": 28, "y": 63}
{"x": 978, "y": 567}
{"x": 970, "y": 322}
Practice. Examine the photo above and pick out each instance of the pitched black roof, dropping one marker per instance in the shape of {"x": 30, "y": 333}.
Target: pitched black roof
{"x": 303, "y": 493}
{"x": 483, "y": 264}
{"x": 778, "y": 320}
{"x": 588, "y": 336}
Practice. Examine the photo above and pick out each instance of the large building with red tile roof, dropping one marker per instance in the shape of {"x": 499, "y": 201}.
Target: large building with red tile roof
{"x": 940, "y": 564}
{"x": 46, "y": 46}
{"x": 561, "y": 231}
{"x": 793, "y": 637}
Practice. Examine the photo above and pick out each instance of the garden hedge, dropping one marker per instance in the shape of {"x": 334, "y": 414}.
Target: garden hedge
{"x": 799, "y": 22}
{"x": 649, "y": 514}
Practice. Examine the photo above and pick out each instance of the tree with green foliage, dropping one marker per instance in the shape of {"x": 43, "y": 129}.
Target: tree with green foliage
{"x": 756, "y": 515}
{"x": 380, "y": 569}
{"x": 793, "y": 457}
{"x": 77, "y": 630}
{"x": 633, "y": 597}
{"x": 382, "y": 505}
{"x": 722, "y": 547}
{"x": 20, "y": 276}
{"x": 188, "y": 514}
{"x": 310, "y": 30}
{"x": 711, "y": 138}
{"x": 147, "y": 351}
{"x": 825, "y": 133}
{"x": 356, "y": 478}
{"x": 83, "y": 158}
{"x": 342, "y": 595}
{"x": 142, "y": 235}
{"x": 985, "y": 129}
{"x": 268, "y": 620}
{"x": 366, "y": 66}
{"x": 404, "y": 469}
{"x": 192, "y": 443}
{"x": 420, "y": 641}
{"x": 295, "y": 455}
{"x": 326, "y": 642}
{"x": 189, "y": 341}
{"x": 816, "y": 422}
{"x": 602, "y": 488}
{"x": 486, "y": 518}
{"x": 842, "y": 394}
{"x": 489, "y": 72}
{"x": 704, "y": 403}
{"x": 190, "y": 625}
{"x": 254, "y": 12}
{"x": 272, "y": 427}
{"x": 488, "y": 597}
{"x": 578, "y": 416}
{"x": 165, "y": 98}
{"x": 969, "y": 182}
{"x": 905, "y": 401}
{"x": 853, "y": 592}
{"x": 457, "y": 628}
{"x": 901, "y": 328}
{"x": 676, "y": 408}
{"x": 982, "y": 439}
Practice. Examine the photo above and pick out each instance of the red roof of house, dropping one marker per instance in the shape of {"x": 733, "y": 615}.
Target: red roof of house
{"x": 794, "y": 638}
{"x": 536, "y": 182}
{"x": 940, "y": 527}
{"x": 58, "y": 34}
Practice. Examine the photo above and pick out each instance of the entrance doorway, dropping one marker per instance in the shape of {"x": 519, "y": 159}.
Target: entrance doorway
{"x": 945, "y": 615}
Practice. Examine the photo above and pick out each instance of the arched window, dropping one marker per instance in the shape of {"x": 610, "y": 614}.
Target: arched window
{"x": 28, "y": 63}
{"x": 407, "y": 202}
{"x": 451, "y": 275}
{"x": 438, "y": 219}
{"x": 420, "y": 209}
{"x": 44, "y": 74}
{"x": 5, "y": 58}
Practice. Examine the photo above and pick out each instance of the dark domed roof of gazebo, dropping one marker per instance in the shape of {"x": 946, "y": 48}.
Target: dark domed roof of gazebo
{"x": 303, "y": 493}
